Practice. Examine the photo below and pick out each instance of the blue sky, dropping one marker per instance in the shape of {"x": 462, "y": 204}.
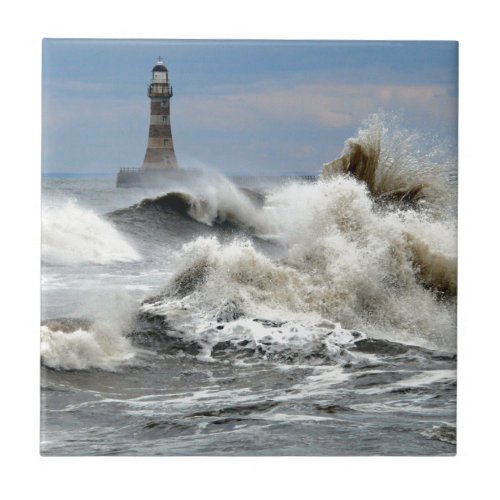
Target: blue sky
{"x": 242, "y": 107}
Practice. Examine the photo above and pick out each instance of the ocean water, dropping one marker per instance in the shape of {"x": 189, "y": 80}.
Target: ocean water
{"x": 295, "y": 318}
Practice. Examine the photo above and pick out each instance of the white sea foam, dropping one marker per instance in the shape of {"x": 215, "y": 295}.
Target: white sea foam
{"x": 73, "y": 235}
{"x": 100, "y": 346}
{"x": 347, "y": 262}
{"x": 97, "y": 341}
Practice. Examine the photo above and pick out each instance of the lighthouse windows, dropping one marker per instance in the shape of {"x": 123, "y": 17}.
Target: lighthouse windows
{"x": 165, "y": 142}
{"x": 164, "y": 103}
{"x": 164, "y": 118}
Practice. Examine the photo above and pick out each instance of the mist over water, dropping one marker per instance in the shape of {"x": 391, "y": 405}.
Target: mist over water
{"x": 229, "y": 312}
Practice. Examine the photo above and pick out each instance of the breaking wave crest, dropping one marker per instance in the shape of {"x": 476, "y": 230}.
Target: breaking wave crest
{"x": 73, "y": 235}
{"x": 215, "y": 202}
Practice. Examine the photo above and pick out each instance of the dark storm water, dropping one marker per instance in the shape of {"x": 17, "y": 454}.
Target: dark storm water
{"x": 377, "y": 397}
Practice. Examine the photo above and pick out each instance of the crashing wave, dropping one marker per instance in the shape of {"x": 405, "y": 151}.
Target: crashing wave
{"x": 392, "y": 167}
{"x": 218, "y": 202}
{"x": 347, "y": 262}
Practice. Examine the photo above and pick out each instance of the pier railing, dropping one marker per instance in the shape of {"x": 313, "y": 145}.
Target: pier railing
{"x": 160, "y": 90}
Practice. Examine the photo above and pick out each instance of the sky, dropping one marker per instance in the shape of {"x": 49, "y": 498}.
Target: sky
{"x": 242, "y": 107}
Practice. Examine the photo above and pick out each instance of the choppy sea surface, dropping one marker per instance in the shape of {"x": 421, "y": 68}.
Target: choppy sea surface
{"x": 301, "y": 318}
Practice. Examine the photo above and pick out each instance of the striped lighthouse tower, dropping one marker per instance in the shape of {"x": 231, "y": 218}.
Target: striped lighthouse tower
{"x": 160, "y": 152}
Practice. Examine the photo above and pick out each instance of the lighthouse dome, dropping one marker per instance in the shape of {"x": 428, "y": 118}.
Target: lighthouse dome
{"x": 160, "y": 66}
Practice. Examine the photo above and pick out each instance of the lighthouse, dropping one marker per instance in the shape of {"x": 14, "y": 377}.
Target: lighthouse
{"x": 160, "y": 166}
{"x": 160, "y": 152}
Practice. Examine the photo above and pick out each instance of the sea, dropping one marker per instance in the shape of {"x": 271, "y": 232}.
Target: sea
{"x": 280, "y": 318}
